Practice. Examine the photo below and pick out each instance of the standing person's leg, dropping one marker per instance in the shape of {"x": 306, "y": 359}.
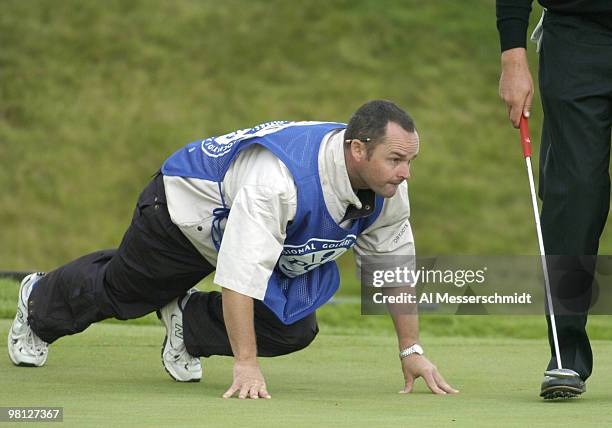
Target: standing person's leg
{"x": 576, "y": 89}
{"x": 154, "y": 264}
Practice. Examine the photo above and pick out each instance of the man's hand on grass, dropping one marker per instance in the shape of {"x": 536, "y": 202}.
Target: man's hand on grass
{"x": 415, "y": 366}
{"x": 248, "y": 381}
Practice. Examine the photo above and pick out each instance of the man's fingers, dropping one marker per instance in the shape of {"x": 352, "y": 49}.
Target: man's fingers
{"x": 526, "y": 111}
{"x": 232, "y": 389}
{"x": 515, "y": 115}
{"x": 408, "y": 386}
{"x": 254, "y": 392}
{"x": 447, "y": 388}
{"x": 527, "y": 106}
{"x": 244, "y": 392}
{"x": 263, "y": 392}
{"x": 431, "y": 384}
{"x": 249, "y": 381}
{"x": 517, "y": 105}
{"x": 443, "y": 384}
{"x": 520, "y": 107}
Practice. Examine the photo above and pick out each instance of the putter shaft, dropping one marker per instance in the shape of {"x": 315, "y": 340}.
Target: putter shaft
{"x": 526, "y": 143}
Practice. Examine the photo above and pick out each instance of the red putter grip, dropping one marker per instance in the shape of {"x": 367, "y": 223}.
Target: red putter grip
{"x": 525, "y": 140}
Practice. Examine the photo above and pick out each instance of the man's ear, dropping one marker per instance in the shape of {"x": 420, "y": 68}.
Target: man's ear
{"x": 358, "y": 150}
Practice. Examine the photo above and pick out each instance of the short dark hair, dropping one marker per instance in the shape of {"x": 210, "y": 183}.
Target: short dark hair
{"x": 371, "y": 119}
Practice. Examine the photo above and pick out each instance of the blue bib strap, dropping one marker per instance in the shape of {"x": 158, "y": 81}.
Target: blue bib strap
{"x": 219, "y": 214}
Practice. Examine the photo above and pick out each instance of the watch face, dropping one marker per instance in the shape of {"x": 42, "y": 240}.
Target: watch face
{"x": 417, "y": 349}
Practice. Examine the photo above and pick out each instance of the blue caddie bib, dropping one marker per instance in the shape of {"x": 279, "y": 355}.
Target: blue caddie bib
{"x": 306, "y": 275}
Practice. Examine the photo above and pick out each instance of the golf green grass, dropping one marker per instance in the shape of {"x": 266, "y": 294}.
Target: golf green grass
{"x": 111, "y": 375}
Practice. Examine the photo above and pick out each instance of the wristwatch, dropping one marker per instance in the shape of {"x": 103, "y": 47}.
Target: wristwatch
{"x": 414, "y": 349}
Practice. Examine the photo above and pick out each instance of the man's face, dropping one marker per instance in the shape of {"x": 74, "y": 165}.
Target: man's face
{"x": 389, "y": 163}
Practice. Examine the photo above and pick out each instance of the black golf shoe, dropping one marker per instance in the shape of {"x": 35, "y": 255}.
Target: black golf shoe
{"x": 564, "y": 383}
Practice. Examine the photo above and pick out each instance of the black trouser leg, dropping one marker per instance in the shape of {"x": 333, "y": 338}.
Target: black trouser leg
{"x": 576, "y": 88}
{"x": 154, "y": 264}
{"x": 205, "y": 334}
{"x": 69, "y": 299}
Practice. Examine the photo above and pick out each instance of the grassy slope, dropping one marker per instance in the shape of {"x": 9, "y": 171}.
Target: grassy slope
{"x": 112, "y": 376}
{"x": 94, "y": 96}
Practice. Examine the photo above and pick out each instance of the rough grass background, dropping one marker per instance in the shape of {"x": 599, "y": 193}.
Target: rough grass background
{"x": 95, "y": 95}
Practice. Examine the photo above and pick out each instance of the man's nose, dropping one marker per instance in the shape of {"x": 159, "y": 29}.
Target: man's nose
{"x": 404, "y": 171}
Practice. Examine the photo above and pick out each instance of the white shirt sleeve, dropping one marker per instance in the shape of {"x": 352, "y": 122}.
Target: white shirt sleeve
{"x": 391, "y": 232}
{"x": 253, "y": 239}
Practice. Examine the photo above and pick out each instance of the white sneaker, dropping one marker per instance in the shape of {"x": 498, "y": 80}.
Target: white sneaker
{"x": 24, "y": 347}
{"x": 179, "y": 364}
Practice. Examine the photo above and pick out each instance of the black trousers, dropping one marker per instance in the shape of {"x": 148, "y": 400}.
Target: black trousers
{"x": 576, "y": 87}
{"x": 154, "y": 264}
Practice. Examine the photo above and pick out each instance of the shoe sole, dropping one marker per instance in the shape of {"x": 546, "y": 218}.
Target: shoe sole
{"x": 166, "y": 368}
{"x": 560, "y": 392}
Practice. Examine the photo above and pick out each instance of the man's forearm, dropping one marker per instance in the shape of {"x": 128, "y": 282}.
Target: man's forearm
{"x": 238, "y": 317}
{"x": 405, "y": 318}
{"x": 407, "y": 329}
